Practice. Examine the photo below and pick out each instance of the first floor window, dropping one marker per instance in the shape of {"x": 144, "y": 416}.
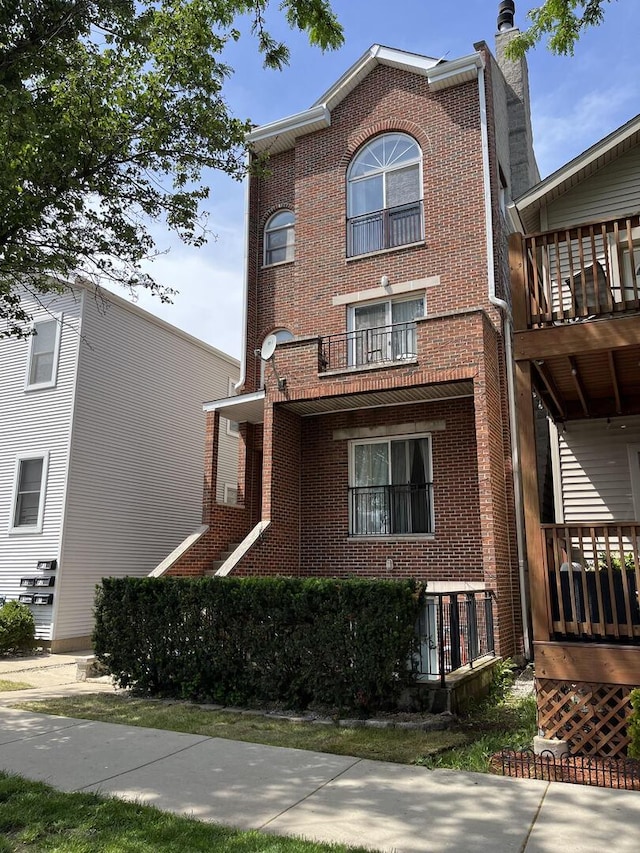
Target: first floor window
{"x": 29, "y": 498}
{"x": 41, "y": 371}
{"x": 384, "y": 331}
{"x": 391, "y": 489}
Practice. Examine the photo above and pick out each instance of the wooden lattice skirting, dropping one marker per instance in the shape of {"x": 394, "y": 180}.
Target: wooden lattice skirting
{"x": 592, "y": 718}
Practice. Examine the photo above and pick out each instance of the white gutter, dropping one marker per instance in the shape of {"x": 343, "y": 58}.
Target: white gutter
{"x": 245, "y": 287}
{"x": 508, "y": 332}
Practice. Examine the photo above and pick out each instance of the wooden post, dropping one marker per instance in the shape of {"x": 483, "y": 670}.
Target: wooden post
{"x": 531, "y": 501}
{"x": 519, "y": 294}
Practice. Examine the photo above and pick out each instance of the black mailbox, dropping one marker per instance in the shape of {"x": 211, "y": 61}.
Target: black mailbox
{"x": 43, "y": 598}
{"x": 25, "y": 599}
{"x": 28, "y": 581}
{"x": 47, "y": 565}
{"x": 45, "y": 581}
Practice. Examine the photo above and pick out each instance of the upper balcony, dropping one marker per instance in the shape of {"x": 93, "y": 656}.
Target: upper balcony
{"x": 579, "y": 273}
{"x": 576, "y": 310}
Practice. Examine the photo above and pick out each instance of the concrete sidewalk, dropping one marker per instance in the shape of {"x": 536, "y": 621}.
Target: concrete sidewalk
{"x": 389, "y": 807}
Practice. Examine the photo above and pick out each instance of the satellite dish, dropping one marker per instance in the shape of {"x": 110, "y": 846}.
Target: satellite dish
{"x": 268, "y": 347}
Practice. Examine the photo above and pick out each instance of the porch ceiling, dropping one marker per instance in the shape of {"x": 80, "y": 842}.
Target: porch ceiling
{"x": 602, "y": 383}
{"x": 376, "y": 399}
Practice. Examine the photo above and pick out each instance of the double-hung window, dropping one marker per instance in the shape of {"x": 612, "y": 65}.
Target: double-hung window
{"x": 391, "y": 489}
{"x": 28, "y": 502}
{"x": 384, "y": 331}
{"x": 384, "y": 195}
{"x": 43, "y": 354}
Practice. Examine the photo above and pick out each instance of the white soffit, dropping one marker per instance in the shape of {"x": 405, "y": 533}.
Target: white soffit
{"x": 281, "y": 135}
{"x": 575, "y": 171}
{"x": 243, "y": 408}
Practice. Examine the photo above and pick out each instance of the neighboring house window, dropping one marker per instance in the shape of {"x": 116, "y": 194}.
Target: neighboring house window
{"x": 233, "y": 427}
{"x": 384, "y": 331}
{"x": 384, "y": 195}
{"x": 391, "y": 490}
{"x": 28, "y": 502}
{"x": 279, "y": 238}
{"x": 43, "y": 354}
{"x": 230, "y": 494}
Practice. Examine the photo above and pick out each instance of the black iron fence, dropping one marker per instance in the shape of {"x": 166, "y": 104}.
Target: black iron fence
{"x": 580, "y": 769}
{"x": 384, "y": 510}
{"x": 395, "y": 342}
{"x": 455, "y": 629}
{"x": 384, "y": 229}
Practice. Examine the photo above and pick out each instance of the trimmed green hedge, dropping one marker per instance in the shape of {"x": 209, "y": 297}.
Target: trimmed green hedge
{"x": 298, "y": 642}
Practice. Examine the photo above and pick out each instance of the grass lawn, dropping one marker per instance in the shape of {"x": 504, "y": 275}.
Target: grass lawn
{"x": 35, "y": 817}
{"x": 13, "y": 685}
{"x": 467, "y": 745}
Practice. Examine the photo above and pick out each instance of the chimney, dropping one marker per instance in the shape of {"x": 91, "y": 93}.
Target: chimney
{"x": 523, "y": 168}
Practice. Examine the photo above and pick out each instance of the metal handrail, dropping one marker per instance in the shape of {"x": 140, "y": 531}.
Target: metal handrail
{"x": 362, "y": 347}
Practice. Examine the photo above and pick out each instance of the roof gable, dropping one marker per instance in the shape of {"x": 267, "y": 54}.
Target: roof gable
{"x": 282, "y": 134}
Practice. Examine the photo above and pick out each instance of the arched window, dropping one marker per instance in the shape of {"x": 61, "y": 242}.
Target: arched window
{"x": 384, "y": 195}
{"x": 279, "y": 236}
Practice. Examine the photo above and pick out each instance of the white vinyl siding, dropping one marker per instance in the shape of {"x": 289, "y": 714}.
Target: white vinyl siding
{"x": 128, "y": 441}
{"x": 135, "y": 481}
{"x": 595, "y": 471}
{"x": 614, "y": 191}
{"x": 31, "y": 425}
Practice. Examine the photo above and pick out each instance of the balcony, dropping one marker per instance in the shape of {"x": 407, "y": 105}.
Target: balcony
{"x": 592, "y": 577}
{"x": 391, "y": 510}
{"x": 385, "y": 229}
{"x": 581, "y": 273}
{"x": 385, "y": 344}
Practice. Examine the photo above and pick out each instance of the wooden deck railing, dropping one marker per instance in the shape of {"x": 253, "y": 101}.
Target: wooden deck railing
{"x": 593, "y": 578}
{"x": 585, "y": 271}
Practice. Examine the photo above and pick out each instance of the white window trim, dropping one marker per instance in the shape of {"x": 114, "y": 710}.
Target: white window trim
{"x": 56, "y": 351}
{"x": 384, "y": 170}
{"x": 389, "y": 437}
{"x": 33, "y": 528}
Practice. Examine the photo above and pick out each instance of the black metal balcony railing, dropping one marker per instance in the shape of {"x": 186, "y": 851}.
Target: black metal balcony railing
{"x": 385, "y": 510}
{"x": 455, "y": 629}
{"x": 396, "y": 342}
{"x": 586, "y": 271}
{"x": 385, "y": 229}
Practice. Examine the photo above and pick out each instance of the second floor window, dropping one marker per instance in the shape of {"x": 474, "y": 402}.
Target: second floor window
{"x": 384, "y": 195}
{"x": 279, "y": 238}
{"x": 43, "y": 352}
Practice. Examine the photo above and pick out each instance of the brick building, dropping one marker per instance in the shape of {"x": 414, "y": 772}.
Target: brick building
{"x": 374, "y": 403}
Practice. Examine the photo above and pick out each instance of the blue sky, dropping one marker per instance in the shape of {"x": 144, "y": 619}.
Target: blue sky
{"x": 575, "y": 101}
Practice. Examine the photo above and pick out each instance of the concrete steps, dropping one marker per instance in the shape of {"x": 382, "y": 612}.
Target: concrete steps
{"x": 215, "y": 565}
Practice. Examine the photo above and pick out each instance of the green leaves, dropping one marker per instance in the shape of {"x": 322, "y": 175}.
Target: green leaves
{"x": 563, "y": 21}
{"x": 110, "y": 111}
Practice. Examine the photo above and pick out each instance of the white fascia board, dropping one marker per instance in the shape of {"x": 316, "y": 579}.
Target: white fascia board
{"x": 376, "y": 55}
{"x": 566, "y": 172}
{"x": 455, "y": 72}
{"x": 293, "y": 126}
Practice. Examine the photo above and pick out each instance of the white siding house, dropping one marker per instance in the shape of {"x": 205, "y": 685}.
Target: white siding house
{"x": 101, "y": 451}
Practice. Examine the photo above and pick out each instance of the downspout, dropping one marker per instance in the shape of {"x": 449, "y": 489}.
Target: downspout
{"x": 508, "y": 332}
{"x": 245, "y": 286}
